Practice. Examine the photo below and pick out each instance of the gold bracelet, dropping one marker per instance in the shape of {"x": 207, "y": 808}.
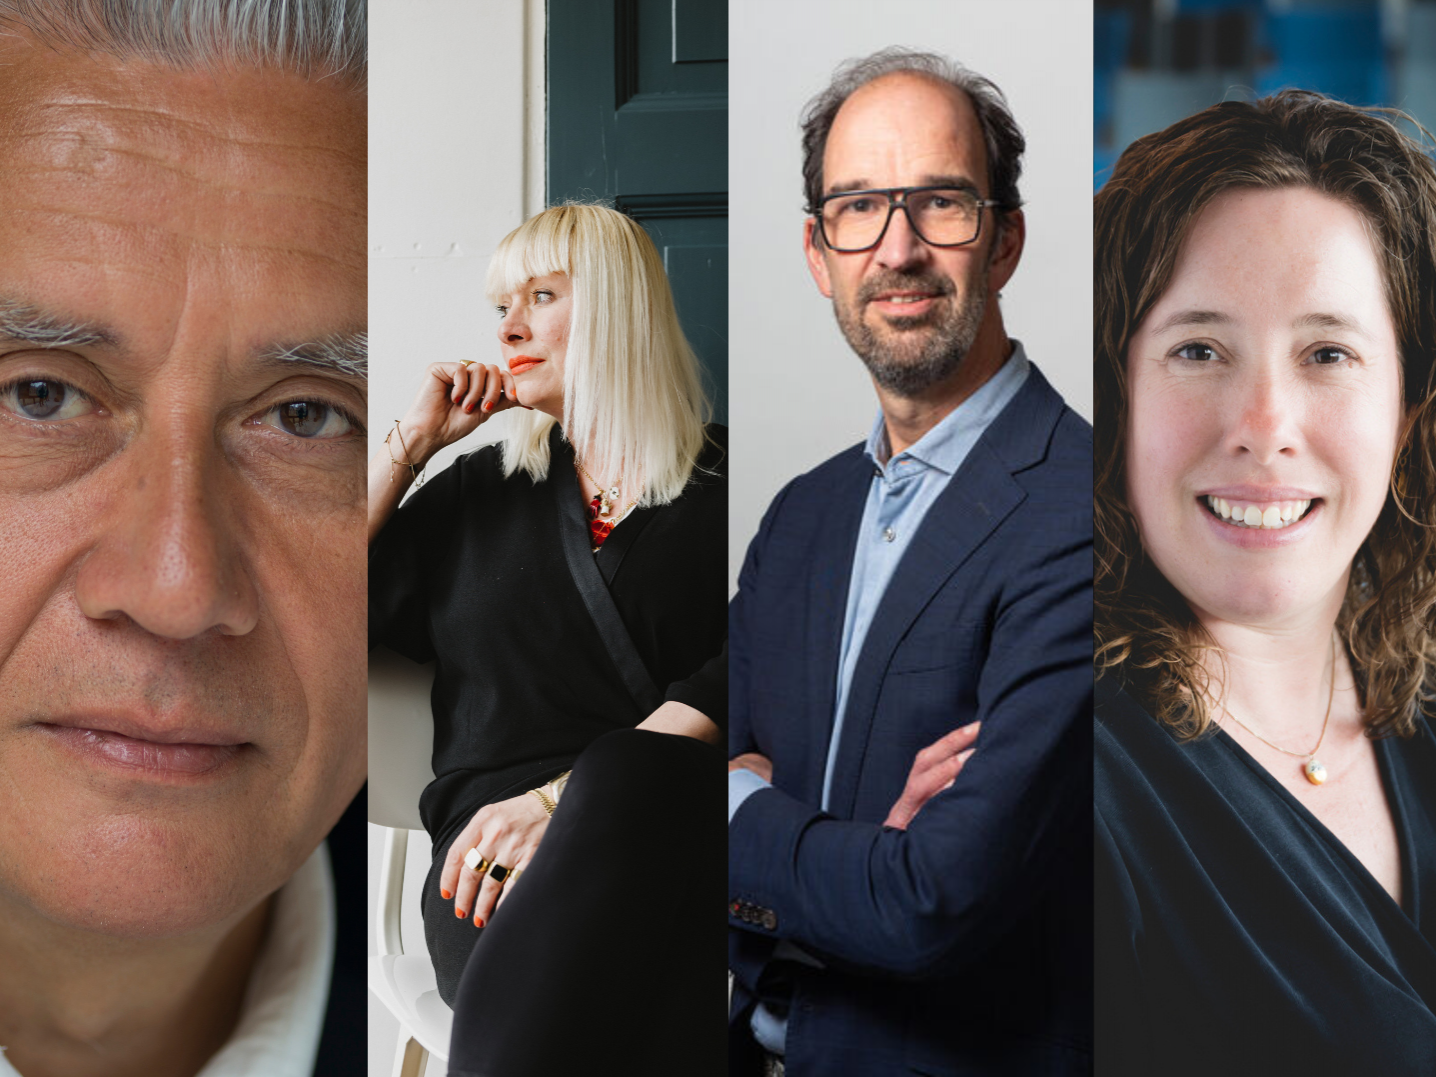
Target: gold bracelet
{"x": 558, "y": 785}
{"x": 416, "y": 471}
{"x": 543, "y": 798}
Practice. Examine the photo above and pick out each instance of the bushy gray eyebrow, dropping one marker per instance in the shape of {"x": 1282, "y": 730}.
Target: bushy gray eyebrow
{"x": 346, "y": 354}
{"x": 28, "y": 325}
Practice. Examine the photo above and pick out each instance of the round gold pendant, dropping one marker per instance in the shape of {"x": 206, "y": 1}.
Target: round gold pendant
{"x": 1315, "y": 772}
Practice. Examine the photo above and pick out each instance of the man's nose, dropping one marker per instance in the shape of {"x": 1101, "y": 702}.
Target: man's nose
{"x": 169, "y": 553}
{"x": 901, "y": 247}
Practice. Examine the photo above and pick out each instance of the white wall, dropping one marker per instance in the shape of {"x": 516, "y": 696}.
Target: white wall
{"x": 798, "y": 393}
{"x": 456, "y": 123}
{"x": 456, "y": 136}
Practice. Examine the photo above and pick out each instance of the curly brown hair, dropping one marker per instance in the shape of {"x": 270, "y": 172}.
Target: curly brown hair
{"x": 1144, "y": 631}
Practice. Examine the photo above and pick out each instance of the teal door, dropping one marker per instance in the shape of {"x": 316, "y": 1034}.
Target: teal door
{"x": 638, "y": 116}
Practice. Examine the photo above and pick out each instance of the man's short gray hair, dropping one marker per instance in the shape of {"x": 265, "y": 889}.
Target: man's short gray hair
{"x": 316, "y": 38}
{"x": 1003, "y": 138}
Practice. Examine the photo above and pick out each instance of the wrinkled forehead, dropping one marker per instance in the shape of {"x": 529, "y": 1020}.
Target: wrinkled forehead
{"x": 130, "y": 184}
{"x": 160, "y": 142}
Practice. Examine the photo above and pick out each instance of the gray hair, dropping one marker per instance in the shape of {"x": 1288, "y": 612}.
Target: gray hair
{"x": 316, "y": 38}
{"x": 1002, "y": 136}
{"x": 340, "y": 353}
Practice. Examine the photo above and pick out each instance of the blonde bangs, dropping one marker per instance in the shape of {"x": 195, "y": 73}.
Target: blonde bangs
{"x": 535, "y": 248}
{"x": 634, "y": 402}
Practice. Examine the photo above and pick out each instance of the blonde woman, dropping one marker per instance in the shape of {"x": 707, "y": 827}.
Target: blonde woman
{"x": 568, "y": 582}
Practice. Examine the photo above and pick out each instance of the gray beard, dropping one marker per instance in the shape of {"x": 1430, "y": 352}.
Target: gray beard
{"x": 906, "y": 362}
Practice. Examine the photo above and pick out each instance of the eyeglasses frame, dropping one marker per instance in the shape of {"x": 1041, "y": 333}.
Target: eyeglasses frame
{"x": 893, "y": 206}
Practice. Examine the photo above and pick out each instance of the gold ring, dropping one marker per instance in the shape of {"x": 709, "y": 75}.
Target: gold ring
{"x": 476, "y": 861}
{"x": 499, "y": 873}
{"x": 514, "y": 875}
{"x": 467, "y": 362}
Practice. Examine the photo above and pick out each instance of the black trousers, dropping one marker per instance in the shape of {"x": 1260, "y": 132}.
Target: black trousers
{"x": 609, "y": 955}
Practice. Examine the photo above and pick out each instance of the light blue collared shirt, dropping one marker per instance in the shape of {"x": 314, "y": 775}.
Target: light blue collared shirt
{"x": 900, "y": 494}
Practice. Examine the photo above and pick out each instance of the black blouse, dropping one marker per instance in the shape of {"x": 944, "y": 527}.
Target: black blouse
{"x": 470, "y": 573}
{"x": 1235, "y": 934}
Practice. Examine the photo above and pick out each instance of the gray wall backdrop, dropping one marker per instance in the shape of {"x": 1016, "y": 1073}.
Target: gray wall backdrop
{"x": 798, "y": 394}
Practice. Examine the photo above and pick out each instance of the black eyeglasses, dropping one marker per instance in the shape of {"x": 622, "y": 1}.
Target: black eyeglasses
{"x": 853, "y": 221}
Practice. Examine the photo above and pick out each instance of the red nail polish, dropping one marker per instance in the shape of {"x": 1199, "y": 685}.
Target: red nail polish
{"x": 478, "y": 921}
{"x": 468, "y": 407}
{"x": 445, "y": 895}
{"x": 488, "y": 406}
{"x": 459, "y": 913}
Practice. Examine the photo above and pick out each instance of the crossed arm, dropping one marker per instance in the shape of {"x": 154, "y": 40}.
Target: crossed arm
{"x": 934, "y": 769}
{"x": 921, "y": 901}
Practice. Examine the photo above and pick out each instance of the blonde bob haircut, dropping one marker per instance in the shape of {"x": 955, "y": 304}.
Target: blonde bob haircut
{"x": 633, "y": 398}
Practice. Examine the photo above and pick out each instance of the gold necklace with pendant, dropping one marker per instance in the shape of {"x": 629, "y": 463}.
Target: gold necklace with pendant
{"x": 1313, "y": 769}
{"x": 606, "y": 498}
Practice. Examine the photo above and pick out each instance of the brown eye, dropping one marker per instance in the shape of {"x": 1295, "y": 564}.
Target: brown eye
{"x": 44, "y": 400}
{"x": 1196, "y": 353}
{"x": 308, "y": 419}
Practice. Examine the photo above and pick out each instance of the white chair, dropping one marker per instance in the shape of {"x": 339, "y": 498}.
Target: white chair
{"x": 401, "y": 744}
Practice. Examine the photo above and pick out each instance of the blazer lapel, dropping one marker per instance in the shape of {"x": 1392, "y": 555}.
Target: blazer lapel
{"x": 977, "y": 499}
{"x": 830, "y": 574}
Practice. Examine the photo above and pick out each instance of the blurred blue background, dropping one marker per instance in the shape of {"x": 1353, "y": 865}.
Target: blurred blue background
{"x": 1156, "y": 61}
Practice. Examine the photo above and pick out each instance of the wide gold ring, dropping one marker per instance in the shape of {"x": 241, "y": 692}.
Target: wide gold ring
{"x": 476, "y": 861}
{"x": 467, "y": 362}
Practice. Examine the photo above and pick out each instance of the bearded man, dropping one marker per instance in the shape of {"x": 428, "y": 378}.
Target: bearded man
{"x": 911, "y": 690}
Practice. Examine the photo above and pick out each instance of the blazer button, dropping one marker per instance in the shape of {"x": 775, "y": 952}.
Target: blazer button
{"x": 770, "y": 920}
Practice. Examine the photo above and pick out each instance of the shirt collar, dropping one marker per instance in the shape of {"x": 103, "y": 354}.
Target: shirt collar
{"x": 944, "y": 446}
{"x": 283, "y": 1011}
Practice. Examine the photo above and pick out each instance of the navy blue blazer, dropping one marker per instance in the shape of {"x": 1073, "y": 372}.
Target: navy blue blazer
{"x": 962, "y": 945}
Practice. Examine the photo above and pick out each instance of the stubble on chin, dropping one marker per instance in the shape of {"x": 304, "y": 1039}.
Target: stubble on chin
{"x": 909, "y": 355}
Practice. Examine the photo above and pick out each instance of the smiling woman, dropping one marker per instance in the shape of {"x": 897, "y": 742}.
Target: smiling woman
{"x": 1266, "y": 576}
{"x": 182, "y": 319}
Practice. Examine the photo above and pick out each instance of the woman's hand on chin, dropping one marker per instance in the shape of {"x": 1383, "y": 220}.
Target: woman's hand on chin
{"x": 453, "y": 402}
{"x": 506, "y": 833}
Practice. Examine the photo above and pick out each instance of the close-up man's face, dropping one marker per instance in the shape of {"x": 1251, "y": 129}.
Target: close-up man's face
{"x": 910, "y": 310}
{"x": 182, "y": 277}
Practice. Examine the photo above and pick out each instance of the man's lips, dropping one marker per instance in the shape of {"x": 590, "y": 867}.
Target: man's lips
{"x": 905, "y": 302}
{"x": 121, "y": 742}
{"x": 519, "y": 363}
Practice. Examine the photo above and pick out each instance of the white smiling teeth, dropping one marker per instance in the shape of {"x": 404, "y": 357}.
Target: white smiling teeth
{"x": 1269, "y": 516}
